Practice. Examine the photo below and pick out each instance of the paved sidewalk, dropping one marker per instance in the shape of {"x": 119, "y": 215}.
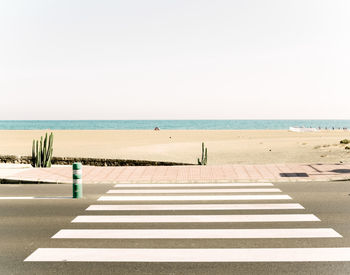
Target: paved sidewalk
{"x": 210, "y": 173}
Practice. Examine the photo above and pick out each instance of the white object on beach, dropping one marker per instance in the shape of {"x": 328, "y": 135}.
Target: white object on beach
{"x": 302, "y": 129}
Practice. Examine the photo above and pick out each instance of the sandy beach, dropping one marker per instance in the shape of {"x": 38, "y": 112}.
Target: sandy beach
{"x": 224, "y": 146}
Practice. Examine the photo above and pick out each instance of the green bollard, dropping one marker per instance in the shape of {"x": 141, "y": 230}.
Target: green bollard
{"x": 77, "y": 180}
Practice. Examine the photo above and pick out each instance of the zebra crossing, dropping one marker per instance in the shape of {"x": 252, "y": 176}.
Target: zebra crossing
{"x": 175, "y": 197}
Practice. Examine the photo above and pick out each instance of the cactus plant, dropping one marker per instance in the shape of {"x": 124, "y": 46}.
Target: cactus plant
{"x": 33, "y": 152}
{"x": 42, "y": 152}
{"x": 203, "y": 160}
{"x": 37, "y": 160}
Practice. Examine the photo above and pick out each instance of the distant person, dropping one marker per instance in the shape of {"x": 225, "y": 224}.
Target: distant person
{"x": 156, "y": 129}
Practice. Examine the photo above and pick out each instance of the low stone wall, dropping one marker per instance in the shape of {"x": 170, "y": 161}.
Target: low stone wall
{"x": 91, "y": 161}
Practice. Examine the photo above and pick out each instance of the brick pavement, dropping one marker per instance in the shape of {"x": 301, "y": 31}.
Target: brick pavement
{"x": 210, "y": 173}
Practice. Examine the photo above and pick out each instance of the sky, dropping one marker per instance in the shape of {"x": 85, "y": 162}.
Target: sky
{"x": 163, "y": 59}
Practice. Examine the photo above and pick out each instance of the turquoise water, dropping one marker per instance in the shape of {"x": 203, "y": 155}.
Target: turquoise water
{"x": 168, "y": 124}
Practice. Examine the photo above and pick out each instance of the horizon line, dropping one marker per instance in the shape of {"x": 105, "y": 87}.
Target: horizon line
{"x": 183, "y": 119}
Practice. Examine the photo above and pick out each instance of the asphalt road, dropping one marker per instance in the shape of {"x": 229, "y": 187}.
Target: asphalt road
{"x": 26, "y": 225}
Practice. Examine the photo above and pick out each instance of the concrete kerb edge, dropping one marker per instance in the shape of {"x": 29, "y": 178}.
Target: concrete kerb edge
{"x": 275, "y": 180}
{"x": 26, "y": 181}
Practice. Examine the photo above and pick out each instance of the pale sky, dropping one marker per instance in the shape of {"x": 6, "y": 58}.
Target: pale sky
{"x": 191, "y": 59}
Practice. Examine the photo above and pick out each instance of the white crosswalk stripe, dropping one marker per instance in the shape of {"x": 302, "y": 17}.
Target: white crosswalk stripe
{"x": 196, "y": 233}
{"x": 143, "y": 202}
{"x": 193, "y": 185}
{"x": 195, "y": 198}
{"x": 190, "y": 255}
{"x": 195, "y": 218}
{"x": 17, "y": 198}
{"x": 147, "y": 207}
{"x": 164, "y": 191}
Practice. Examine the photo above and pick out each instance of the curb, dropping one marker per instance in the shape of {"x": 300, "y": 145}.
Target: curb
{"x": 24, "y": 181}
{"x": 289, "y": 180}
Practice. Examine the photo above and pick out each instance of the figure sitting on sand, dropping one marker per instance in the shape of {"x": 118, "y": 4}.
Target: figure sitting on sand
{"x": 156, "y": 129}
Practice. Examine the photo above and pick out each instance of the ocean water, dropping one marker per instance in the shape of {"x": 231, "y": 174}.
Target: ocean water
{"x": 168, "y": 124}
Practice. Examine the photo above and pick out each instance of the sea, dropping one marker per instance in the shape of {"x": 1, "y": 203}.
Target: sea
{"x": 170, "y": 124}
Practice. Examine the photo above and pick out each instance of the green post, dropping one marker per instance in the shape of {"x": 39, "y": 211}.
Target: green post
{"x": 77, "y": 180}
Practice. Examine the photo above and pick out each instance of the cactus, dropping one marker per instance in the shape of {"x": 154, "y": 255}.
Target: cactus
{"x": 37, "y": 162}
{"x": 33, "y": 153}
{"x": 44, "y": 149}
{"x": 49, "y": 151}
{"x": 203, "y": 160}
{"x": 42, "y": 153}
